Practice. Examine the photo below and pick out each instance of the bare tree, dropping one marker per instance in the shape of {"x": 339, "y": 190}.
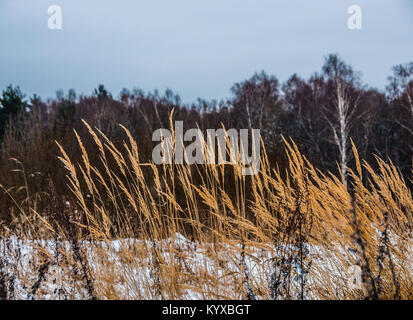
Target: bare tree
{"x": 400, "y": 89}
{"x": 303, "y": 122}
{"x": 342, "y": 108}
{"x": 255, "y": 98}
{"x": 401, "y": 84}
{"x": 256, "y": 105}
{"x": 400, "y": 92}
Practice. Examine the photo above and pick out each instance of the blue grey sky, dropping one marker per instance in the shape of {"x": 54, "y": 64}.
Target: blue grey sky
{"x": 198, "y": 48}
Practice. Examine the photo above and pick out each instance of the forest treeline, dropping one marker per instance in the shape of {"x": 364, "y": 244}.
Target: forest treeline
{"x": 322, "y": 115}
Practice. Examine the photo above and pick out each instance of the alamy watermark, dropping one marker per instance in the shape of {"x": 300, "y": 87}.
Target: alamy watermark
{"x": 55, "y": 20}
{"x": 355, "y": 21}
{"x": 210, "y": 149}
{"x": 354, "y": 280}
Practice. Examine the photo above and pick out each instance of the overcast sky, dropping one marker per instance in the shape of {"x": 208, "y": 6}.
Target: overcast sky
{"x": 198, "y": 48}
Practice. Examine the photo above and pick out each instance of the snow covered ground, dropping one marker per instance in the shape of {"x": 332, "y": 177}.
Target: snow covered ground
{"x": 174, "y": 268}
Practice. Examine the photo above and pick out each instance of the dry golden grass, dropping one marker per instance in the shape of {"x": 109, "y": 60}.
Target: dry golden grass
{"x": 280, "y": 235}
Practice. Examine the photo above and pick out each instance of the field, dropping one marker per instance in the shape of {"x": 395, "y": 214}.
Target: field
{"x": 136, "y": 230}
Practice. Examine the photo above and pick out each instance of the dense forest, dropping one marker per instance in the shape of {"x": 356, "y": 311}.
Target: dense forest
{"x": 322, "y": 115}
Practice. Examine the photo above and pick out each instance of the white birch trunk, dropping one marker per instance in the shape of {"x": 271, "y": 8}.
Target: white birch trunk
{"x": 342, "y": 138}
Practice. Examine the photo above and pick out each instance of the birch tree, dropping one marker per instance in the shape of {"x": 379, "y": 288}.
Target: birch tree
{"x": 341, "y": 110}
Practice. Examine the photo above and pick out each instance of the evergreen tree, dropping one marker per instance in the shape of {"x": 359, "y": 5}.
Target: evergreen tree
{"x": 11, "y": 104}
